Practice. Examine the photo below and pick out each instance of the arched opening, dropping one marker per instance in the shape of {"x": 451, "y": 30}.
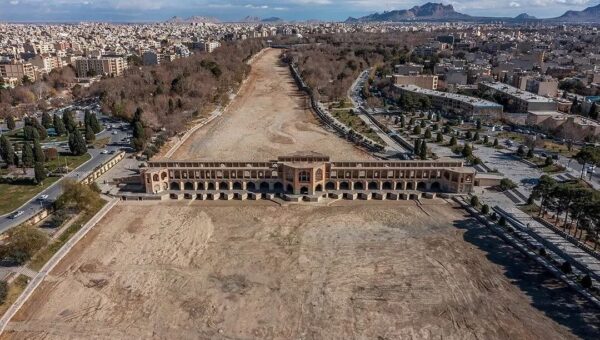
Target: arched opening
{"x": 237, "y": 186}
{"x": 358, "y": 186}
{"x": 388, "y": 186}
{"x": 188, "y": 196}
{"x": 155, "y": 177}
{"x": 223, "y": 186}
{"x": 173, "y": 196}
{"x": 211, "y": 186}
{"x": 372, "y": 186}
{"x": 319, "y": 188}
{"x": 304, "y": 191}
{"x": 413, "y": 197}
{"x": 289, "y": 188}
{"x": 250, "y": 186}
{"x": 188, "y": 186}
{"x": 436, "y": 186}
{"x": 410, "y": 186}
{"x": 278, "y": 187}
{"x": 304, "y": 176}
{"x": 174, "y": 186}
{"x": 200, "y": 186}
{"x": 421, "y": 186}
{"x": 344, "y": 186}
{"x": 330, "y": 186}
{"x": 264, "y": 186}
{"x": 400, "y": 186}
{"x": 163, "y": 175}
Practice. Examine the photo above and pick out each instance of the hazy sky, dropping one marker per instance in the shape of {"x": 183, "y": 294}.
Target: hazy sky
{"x": 231, "y": 10}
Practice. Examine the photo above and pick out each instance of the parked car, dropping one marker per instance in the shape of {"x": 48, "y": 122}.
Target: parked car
{"x": 43, "y": 197}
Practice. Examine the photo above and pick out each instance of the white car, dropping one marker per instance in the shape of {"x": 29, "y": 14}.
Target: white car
{"x": 104, "y": 152}
{"x": 17, "y": 214}
{"x": 43, "y": 197}
{"x": 115, "y": 132}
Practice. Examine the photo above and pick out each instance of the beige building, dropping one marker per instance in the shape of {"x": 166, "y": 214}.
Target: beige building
{"x": 17, "y": 70}
{"x": 307, "y": 174}
{"x": 108, "y": 66}
{"x": 455, "y": 103}
{"x": 422, "y": 81}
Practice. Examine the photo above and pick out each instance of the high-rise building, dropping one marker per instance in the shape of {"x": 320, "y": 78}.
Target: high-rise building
{"x": 108, "y": 66}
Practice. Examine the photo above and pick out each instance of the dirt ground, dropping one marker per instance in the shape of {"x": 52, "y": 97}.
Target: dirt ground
{"x": 268, "y": 118}
{"x": 231, "y": 270}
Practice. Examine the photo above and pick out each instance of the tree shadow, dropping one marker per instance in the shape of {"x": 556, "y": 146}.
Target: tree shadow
{"x": 548, "y": 294}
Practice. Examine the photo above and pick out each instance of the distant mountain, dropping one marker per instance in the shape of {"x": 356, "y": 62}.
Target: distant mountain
{"x": 250, "y": 19}
{"x": 193, "y": 19}
{"x": 428, "y": 11}
{"x": 254, "y": 19}
{"x": 588, "y": 15}
{"x": 272, "y": 19}
{"x": 440, "y": 12}
{"x": 525, "y": 16}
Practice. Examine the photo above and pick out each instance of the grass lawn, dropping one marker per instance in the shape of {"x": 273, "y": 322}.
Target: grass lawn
{"x": 70, "y": 161}
{"x": 354, "y": 122}
{"x": 14, "y": 290}
{"x": 13, "y": 196}
{"x": 517, "y": 137}
{"x": 40, "y": 259}
{"x": 16, "y": 136}
{"x": 561, "y": 149}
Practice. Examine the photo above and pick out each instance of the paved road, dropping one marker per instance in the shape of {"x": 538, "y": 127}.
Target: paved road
{"x": 34, "y": 206}
{"x": 392, "y": 147}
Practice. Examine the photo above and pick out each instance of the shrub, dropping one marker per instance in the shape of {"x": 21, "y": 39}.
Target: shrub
{"x": 3, "y": 291}
{"x": 502, "y": 221}
{"x": 507, "y": 184}
{"x": 475, "y": 201}
{"x": 566, "y": 267}
{"x": 586, "y": 281}
{"x": 485, "y": 209}
{"x": 543, "y": 252}
{"x": 494, "y": 216}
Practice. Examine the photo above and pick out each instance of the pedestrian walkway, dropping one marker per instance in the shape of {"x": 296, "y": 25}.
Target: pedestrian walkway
{"x": 571, "y": 251}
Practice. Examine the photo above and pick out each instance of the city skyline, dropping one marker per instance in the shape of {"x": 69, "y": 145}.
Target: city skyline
{"x": 234, "y": 10}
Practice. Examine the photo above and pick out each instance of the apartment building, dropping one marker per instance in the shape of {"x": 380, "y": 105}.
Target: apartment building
{"x": 108, "y": 66}
{"x": 423, "y": 81}
{"x": 454, "y": 103}
{"x": 543, "y": 86}
{"x": 516, "y": 100}
{"x": 17, "y": 70}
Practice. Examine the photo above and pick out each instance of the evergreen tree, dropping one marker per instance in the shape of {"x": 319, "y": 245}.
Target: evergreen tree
{"x": 77, "y": 144}
{"x": 427, "y": 133}
{"x": 69, "y": 121}
{"x": 139, "y": 136}
{"x": 478, "y": 124}
{"x": 27, "y": 157}
{"x": 423, "y": 124}
{"x": 10, "y": 122}
{"x": 39, "y": 172}
{"x": 38, "y": 153}
{"x": 30, "y": 133}
{"x": 59, "y": 126}
{"x": 453, "y": 141}
{"x": 467, "y": 151}
{"x": 417, "y": 130}
{"x": 423, "y": 151}
{"x": 496, "y": 143}
{"x": 417, "y": 147}
{"x": 476, "y": 137}
{"x": 95, "y": 124}
{"x": 6, "y": 151}
{"x": 486, "y": 139}
{"x": 46, "y": 120}
{"x": 89, "y": 134}
{"x": 439, "y": 138}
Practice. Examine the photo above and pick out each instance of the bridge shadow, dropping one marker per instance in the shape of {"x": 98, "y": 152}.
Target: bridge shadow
{"x": 547, "y": 293}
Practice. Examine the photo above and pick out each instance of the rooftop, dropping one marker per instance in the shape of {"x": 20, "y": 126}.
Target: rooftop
{"x": 478, "y": 102}
{"x": 517, "y": 93}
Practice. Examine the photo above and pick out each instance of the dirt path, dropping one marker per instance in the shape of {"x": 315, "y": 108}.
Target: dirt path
{"x": 268, "y": 118}
{"x": 349, "y": 271}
